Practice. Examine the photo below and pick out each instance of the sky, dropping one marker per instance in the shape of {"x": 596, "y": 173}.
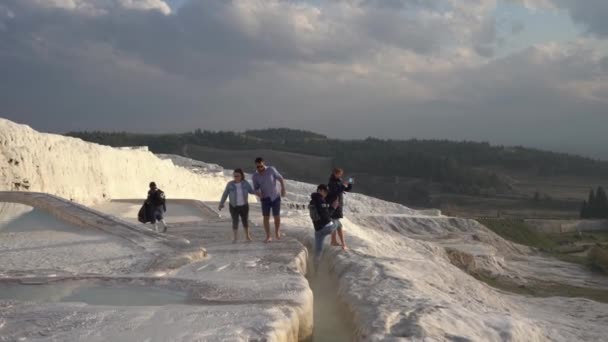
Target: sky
{"x": 513, "y": 72}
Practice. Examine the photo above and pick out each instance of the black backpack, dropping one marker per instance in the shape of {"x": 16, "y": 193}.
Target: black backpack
{"x": 314, "y": 214}
{"x": 158, "y": 197}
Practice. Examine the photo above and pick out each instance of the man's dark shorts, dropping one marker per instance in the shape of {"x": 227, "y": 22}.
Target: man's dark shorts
{"x": 268, "y": 204}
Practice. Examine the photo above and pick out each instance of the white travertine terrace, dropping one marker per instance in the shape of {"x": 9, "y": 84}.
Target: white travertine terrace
{"x": 89, "y": 173}
{"x": 406, "y": 276}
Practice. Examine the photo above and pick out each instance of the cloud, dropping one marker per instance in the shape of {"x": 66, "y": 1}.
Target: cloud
{"x": 517, "y": 27}
{"x": 100, "y": 7}
{"x": 396, "y": 68}
{"x": 225, "y": 39}
{"x": 591, "y": 13}
{"x": 536, "y": 4}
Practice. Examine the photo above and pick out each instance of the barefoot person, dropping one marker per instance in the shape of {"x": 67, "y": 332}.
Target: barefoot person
{"x": 320, "y": 214}
{"x": 156, "y": 199}
{"x": 238, "y": 191}
{"x": 265, "y": 185}
{"x": 337, "y": 187}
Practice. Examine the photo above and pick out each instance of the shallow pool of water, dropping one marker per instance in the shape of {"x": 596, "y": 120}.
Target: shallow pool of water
{"x": 21, "y": 218}
{"x": 93, "y": 294}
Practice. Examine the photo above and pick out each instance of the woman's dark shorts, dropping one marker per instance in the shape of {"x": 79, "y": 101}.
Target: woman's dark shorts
{"x": 241, "y": 211}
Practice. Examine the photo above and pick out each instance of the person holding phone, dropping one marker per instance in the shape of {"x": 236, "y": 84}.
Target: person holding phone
{"x": 337, "y": 187}
{"x": 320, "y": 213}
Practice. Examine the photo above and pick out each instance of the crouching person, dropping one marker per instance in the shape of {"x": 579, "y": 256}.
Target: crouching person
{"x": 320, "y": 214}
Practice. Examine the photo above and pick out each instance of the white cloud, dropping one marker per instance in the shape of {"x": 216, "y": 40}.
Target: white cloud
{"x": 590, "y": 13}
{"x": 536, "y": 4}
{"x": 98, "y": 7}
{"x": 401, "y": 67}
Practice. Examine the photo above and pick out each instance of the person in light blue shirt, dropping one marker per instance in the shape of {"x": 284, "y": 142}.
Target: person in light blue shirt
{"x": 238, "y": 192}
{"x": 265, "y": 185}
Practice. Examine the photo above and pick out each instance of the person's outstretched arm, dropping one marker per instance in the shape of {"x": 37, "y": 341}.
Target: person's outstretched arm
{"x": 224, "y": 196}
{"x": 250, "y": 188}
{"x": 281, "y": 180}
{"x": 283, "y": 191}
{"x": 256, "y": 186}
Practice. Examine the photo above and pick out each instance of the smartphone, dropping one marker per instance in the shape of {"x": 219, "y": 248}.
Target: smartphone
{"x": 351, "y": 180}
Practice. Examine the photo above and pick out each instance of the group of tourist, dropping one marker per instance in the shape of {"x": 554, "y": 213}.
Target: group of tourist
{"x": 325, "y": 207}
{"x": 265, "y": 181}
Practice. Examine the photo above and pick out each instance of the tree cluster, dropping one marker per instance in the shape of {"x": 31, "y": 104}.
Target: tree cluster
{"x": 596, "y": 206}
{"x": 458, "y": 167}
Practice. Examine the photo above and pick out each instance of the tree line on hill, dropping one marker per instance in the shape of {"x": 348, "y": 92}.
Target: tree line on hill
{"x": 465, "y": 167}
{"x": 596, "y": 206}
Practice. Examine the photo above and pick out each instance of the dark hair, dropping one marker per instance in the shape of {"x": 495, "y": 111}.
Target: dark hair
{"x": 152, "y": 185}
{"x": 322, "y": 187}
{"x": 337, "y": 170}
{"x": 240, "y": 171}
{"x": 259, "y": 160}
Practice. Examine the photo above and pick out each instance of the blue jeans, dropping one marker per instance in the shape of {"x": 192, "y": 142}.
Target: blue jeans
{"x": 321, "y": 234}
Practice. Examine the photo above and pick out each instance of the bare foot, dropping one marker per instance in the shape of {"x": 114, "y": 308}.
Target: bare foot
{"x": 344, "y": 248}
{"x": 248, "y": 239}
{"x": 268, "y": 239}
{"x": 335, "y": 244}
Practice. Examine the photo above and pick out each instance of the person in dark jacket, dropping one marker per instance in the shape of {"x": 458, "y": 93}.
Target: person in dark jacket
{"x": 337, "y": 187}
{"x": 320, "y": 214}
{"x": 156, "y": 199}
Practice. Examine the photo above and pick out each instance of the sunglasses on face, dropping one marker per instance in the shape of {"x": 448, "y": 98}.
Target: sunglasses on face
{"x": 259, "y": 167}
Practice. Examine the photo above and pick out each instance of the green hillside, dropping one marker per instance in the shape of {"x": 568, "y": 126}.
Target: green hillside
{"x": 440, "y": 173}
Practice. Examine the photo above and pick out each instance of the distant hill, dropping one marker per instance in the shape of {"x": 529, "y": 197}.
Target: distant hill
{"x": 292, "y": 165}
{"x": 413, "y": 172}
{"x": 284, "y": 134}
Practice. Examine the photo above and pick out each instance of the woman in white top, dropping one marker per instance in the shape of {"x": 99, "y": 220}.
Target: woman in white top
{"x": 238, "y": 192}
